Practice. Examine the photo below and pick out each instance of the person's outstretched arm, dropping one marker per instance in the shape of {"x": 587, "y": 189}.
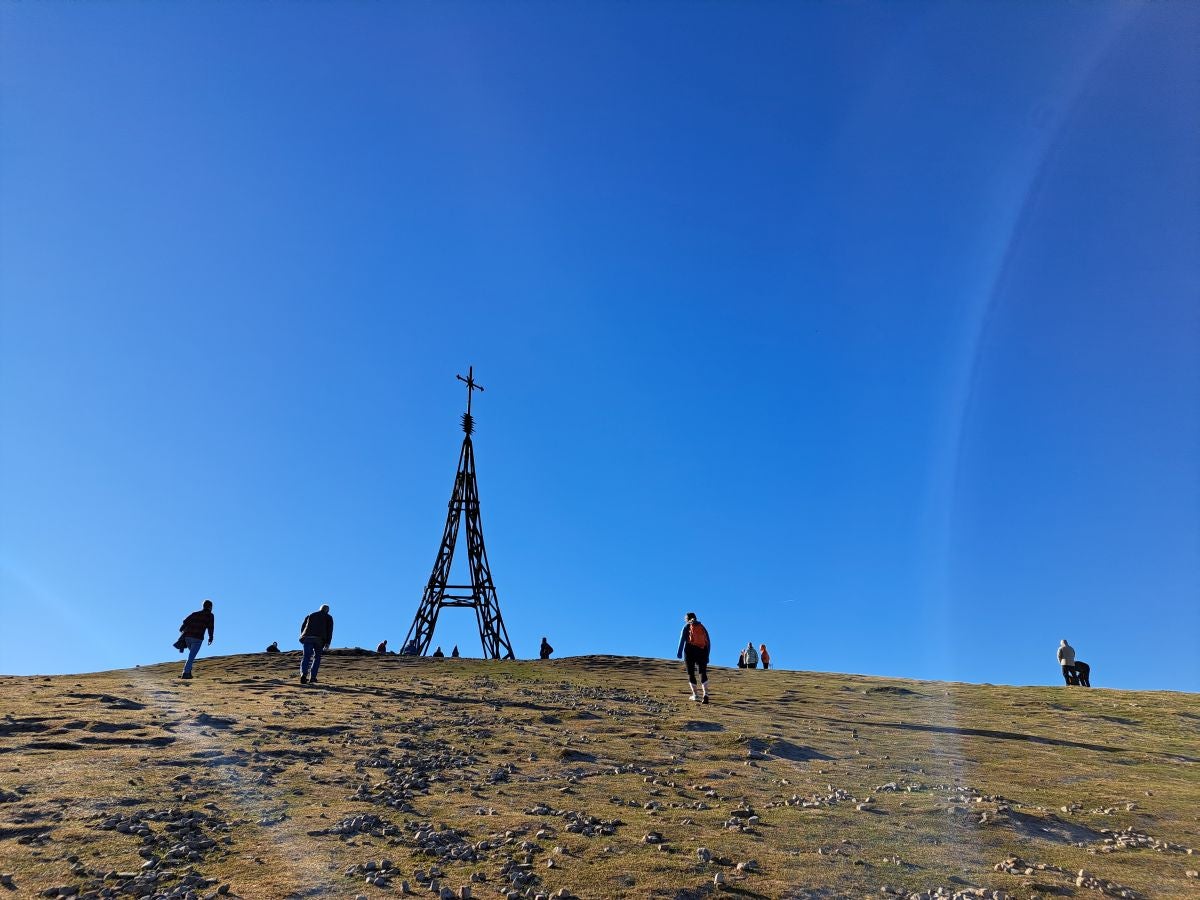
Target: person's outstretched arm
{"x": 682, "y": 640}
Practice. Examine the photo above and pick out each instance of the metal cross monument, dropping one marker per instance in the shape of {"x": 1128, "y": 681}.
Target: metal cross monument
{"x": 464, "y": 501}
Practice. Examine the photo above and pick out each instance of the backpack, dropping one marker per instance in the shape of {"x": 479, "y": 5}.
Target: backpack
{"x": 697, "y": 636}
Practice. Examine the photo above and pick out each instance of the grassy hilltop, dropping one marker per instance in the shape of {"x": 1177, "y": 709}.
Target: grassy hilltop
{"x": 591, "y": 777}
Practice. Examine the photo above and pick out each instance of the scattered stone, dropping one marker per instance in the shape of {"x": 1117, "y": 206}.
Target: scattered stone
{"x": 1131, "y": 839}
{"x": 1111, "y": 888}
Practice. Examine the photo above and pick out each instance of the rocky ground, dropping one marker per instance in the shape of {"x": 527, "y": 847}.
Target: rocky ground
{"x": 591, "y": 777}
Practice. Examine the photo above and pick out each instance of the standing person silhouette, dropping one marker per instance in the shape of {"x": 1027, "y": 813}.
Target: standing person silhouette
{"x": 192, "y": 632}
{"x": 545, "y": 650}
{"x": 1083, "y": 673}
{"x": 750, "y": 655}
{"x": 1066, "y": 659}
{"x": 694, "y": 647}
{"x": 316, "y": 634}
{"x": 764, "y": 656}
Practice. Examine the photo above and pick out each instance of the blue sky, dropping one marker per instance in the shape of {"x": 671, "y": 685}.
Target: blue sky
{"x": 870, "y": 330}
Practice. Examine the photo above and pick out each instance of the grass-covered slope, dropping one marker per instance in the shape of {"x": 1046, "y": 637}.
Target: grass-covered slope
{"x": 590, "y": 777}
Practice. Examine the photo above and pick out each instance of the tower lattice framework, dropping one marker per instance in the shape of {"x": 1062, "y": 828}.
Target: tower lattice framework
{"x": 480, "y": 594}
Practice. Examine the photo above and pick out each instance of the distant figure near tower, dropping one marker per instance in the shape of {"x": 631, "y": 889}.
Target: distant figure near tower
{"x": 1075, "y": 671}
{"x": 464, "y": 501}
{"x": 1066, "y": 659}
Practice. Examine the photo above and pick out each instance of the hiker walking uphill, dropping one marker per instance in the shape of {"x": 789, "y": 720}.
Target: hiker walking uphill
{"x": 694, "y": 647}
{"x": 764, "y": 656}
{"x": 316, "y": 634}
{"x": 191, "y": 634}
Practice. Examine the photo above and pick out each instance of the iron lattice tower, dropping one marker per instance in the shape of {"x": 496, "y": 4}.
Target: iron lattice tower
{"x": 439, "y": 593}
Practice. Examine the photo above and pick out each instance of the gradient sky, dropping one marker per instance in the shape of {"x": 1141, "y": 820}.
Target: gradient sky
{"x": 867, "y": 330}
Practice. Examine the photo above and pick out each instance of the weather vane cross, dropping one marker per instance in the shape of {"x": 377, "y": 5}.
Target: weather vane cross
{"x": 468, "y": 423}
{"x": 469, "y": 381}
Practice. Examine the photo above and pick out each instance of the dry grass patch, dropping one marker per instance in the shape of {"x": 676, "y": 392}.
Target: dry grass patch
{"x": 588, "y": 777}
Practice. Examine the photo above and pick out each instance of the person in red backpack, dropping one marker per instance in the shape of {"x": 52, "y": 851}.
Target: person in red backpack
{"x": 694, "y": 647}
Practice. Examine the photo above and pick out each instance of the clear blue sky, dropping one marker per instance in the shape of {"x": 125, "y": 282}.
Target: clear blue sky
{"x": 868, "y": 330}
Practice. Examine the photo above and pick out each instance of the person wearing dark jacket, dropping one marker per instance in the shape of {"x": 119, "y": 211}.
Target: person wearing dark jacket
{"x": 438, "y": 654}
{"x": 316, "y": 634}
{"x": 545, "y": 650}
{"x": 694, "y": 647}
{"x": 1083, "y": 673}
{"x": 272, "y": 647}
{"x": 192, "y": 633}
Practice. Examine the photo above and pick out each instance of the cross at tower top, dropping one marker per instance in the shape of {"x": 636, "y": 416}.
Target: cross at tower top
{"x": 468, "y": 423}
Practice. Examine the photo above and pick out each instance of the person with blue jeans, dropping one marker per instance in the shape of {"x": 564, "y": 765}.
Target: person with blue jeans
{"x": 192, "y": 632}
{"x": 316, "y": 634}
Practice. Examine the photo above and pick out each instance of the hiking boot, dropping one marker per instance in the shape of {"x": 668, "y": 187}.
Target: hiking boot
{"x": 693, "y": 698}
{"x": 313, "y": 680}
{"x": 706, "y": 698}
{"x": 304, "y": 679}
{"x": 186, "y": 675}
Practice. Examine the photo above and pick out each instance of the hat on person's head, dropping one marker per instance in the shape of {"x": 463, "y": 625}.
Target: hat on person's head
{"x": 690, "y": 616}
{"x": 207, "y": 604}
{"x": 1064, "y": 640}
{"x": 324, "y": 607}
